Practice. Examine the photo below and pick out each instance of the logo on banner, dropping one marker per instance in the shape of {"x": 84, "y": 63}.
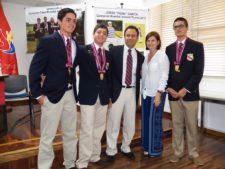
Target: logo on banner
{"x": 8, "y": 60}
{"x": 6, "y": 43}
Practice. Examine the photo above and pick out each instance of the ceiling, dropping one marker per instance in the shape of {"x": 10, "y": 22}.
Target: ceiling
{"x": 146, "y": 3}
{"x": 42, "y": 2}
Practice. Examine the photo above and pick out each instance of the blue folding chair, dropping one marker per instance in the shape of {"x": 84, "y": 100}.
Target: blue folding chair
{"x": 16, "y": 90}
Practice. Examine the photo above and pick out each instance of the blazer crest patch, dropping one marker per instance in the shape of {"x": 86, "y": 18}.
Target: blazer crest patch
{"x": 190, "y": 56}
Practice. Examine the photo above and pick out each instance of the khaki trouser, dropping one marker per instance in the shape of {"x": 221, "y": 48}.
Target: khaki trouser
{"x": 185, "y": 114}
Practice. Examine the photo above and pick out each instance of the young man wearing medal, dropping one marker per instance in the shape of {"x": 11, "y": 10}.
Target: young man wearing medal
{"x": 54, "y": 58}
{"x": 186, "y": 58}
{"x": 94, "y": 94}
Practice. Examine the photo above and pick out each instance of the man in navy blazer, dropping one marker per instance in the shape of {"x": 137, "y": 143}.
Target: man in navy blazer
{"x": 56, "y": 93}
{"x": 46, "y": 26}
{"x": 186, "y": 58}
{"x": 126, "y": 64}
{"x": 94, "y": 94}
{"x": 38, "y": 31}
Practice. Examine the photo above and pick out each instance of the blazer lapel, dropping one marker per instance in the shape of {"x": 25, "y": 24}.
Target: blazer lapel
{"x": 138, "y": 63}
{"x": 61, "y": 44}
{"x": 91, "y": 56}
{"x": 76, "y": 48}
{"x": 174, "y": 53}
{"x": 120, "y": 61}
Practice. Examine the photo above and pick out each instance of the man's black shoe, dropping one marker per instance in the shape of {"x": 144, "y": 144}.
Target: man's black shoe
{"x": 73, "y": 168}
{"x": 110, "y": 159}
{"x": 129, "y": 155}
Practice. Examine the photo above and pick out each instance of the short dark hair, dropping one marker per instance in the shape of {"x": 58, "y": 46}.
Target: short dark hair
{"x": 101, "y": 25}
{"x": 131, "y": 27}
{"x": 156, "y": 35}
{"x": 181, "y": 19}
{"x": 110, "y": 46}
{"x": 62, "y": 13}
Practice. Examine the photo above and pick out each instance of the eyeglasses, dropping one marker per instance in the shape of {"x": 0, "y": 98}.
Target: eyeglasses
{"x": 178, "y": 26}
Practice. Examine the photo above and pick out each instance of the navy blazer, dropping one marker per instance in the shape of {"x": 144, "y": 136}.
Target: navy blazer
{"x": 50, "y": 59}
{"x": 116, "y": 55}
{"x": 191, "y": 69}
{"x": 90, "y": 85}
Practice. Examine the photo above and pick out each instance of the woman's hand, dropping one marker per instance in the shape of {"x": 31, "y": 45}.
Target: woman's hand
{"x": 157, "y": 100}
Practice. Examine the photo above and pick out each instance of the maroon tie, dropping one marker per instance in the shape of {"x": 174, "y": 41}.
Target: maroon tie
{"x": 100, "y": 56}
{"x": 128, "y": 78}
{"x": 69, "y": 59}
{"x": 68, "y": 51}
{"x": 179, "y": 51}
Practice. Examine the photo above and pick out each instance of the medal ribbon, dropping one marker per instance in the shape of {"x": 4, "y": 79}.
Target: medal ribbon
{"x": 179, "y": 51}
{"x": 68, "y": 51}
{"x": 100, "y": 67}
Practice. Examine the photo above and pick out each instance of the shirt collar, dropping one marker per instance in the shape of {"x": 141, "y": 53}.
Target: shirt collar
{"x": 183, "y": 41}
{"x": 97, "y": 46}
{"x": 126, "y": 48}
{"x": 64, "y": 37}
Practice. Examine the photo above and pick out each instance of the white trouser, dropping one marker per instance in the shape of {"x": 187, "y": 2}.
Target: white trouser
{"x": 66, "y": 112}
{"x": 93, "y": 121}
{"x": 125, "y": 105}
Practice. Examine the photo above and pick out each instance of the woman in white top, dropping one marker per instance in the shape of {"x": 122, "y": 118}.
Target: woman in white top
{"x": 155, "y": 70}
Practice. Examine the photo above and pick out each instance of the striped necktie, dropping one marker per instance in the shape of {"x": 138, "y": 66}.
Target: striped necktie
{"x": 100, "y": 56}
{"x": 128, "y": 78}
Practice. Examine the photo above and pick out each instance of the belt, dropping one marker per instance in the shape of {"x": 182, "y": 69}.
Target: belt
{"x": 69, "y": 88}
{"x": 128, "y": 86}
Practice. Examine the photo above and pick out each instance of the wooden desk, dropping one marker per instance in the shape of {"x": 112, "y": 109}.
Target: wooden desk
{"x": 212, "y": 97}
{"x": 3, "y": 113}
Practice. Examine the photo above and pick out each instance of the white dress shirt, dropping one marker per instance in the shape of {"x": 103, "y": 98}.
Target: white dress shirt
{"x": 155, "y": 73}
{"x": 134, "y": 65}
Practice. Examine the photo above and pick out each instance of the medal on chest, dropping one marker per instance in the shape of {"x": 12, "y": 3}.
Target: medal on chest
{"x": 177, "y": 68}
{"x": 101, "y": 66}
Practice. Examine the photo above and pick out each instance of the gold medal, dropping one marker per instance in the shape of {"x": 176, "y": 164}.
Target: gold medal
{"x": 101, "y": 76}
{"x": 177, "y": 68}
